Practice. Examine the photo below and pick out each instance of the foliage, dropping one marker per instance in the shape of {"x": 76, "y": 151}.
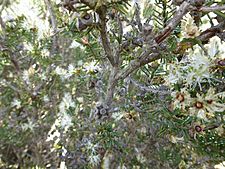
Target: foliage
{"x": 112, "y": 84}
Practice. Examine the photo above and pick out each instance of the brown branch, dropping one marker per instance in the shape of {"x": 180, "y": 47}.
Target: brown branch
{"x": 146, "y": 56}
{"x": 203, "y": 37}
{"x": 184, "y": 8}
{"x": 212, "y": 8}
{"x": 151, "y": 55}
{"x": 104, "y": 36}
{"x": 207, "y": 34}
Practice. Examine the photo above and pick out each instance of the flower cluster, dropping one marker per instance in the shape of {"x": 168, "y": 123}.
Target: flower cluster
{"x": 192, "y": 72}
{"x": 93, "y": 156}
{"x": 65, "y": 73}
{"x": 203, "y": 106}
{"x": 63, "y": 121}
{"x": 195, "y": 68}
{"x": 66, "y": 103}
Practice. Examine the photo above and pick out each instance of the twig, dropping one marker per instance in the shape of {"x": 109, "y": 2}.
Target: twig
{"x": 212, "y": 8}
{"x": 146, "y": 56}
{"x": 104, "y": 37}
{"x": 2, "y": 25}
{"x": 118, "y": 58}
{"x": 184, "y": 8}
{"x": 137, "y": 16}
{"x": 3, "y": 6}
{"x": 54, "y": 26}
{"x": 14, "y": 88}
{"x": 135, "y": 64}
{"x": 1, "y": 20}
{"x": 158, "y": 89}
{"x": 207, "y": 34}
{"x": 111, "y": 85}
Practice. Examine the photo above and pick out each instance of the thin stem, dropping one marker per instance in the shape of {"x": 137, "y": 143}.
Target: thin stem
{"x": 212, "y": 8}
{"x": 54, "y": 26}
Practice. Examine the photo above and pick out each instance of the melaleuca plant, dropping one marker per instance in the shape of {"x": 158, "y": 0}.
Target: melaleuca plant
{"x": 112, "y": 84}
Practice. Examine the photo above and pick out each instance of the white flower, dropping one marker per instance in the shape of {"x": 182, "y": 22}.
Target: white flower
{"x": 16, "y": 103}
{"x": 28, "y": 46}
{"x": 46, "y": 98}
{"x": 202, "y": 115}
{"x": 70, "y": 71}
{"x": 117, "y": 116}
{"x": 198, "y": 109}
{"x": 64, "y": 151}
{"x": 198, "y": 57}
{"x": 60, "y": 71}
{"x": 141, "y": 158}
{"x": 206, "y": 105}
{"x": 53, "y": 135}
{"x": 198, "y": 75}
{"x": 45, "y": 53}
{"x": 215, "y": 47}
{"x": 91, "y": 67}
{"x": 205, "y": 23}
{"x": 91, "y": 147}
{"x": 66, "y": 120}
{"x": 80, "y": 63}
{"x": 65, "y": 104}
{"x": 25, "y": 76}
{"x": 94, "y": 159}
{"x": 182, "y": 99}
{"x": 127, "y": 29}
{"x": 62, "y": 165}
{"x": 175, "y": 139}
{"x": 29, "y": 125}
{"x": 67, "y": 101}
{"x": 220, "y": 166}
{"x": 70, "y": 68}
{"x": 75, "y": 45}
{"x": 175, "y": 74}
{"x": 80, "y": 99}
{"x": 188, "y": 27}
{"x": 122, "y": 167}
{"x": 220, "y": 130}
{"x": 31, "y": 11}
{"x": 211, "y": 101}
{"x": 63, "y": 73}
{"x": 197, "y": 67}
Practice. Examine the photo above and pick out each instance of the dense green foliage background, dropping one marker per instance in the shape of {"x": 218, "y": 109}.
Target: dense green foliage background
{"x": 112, "y": 84}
